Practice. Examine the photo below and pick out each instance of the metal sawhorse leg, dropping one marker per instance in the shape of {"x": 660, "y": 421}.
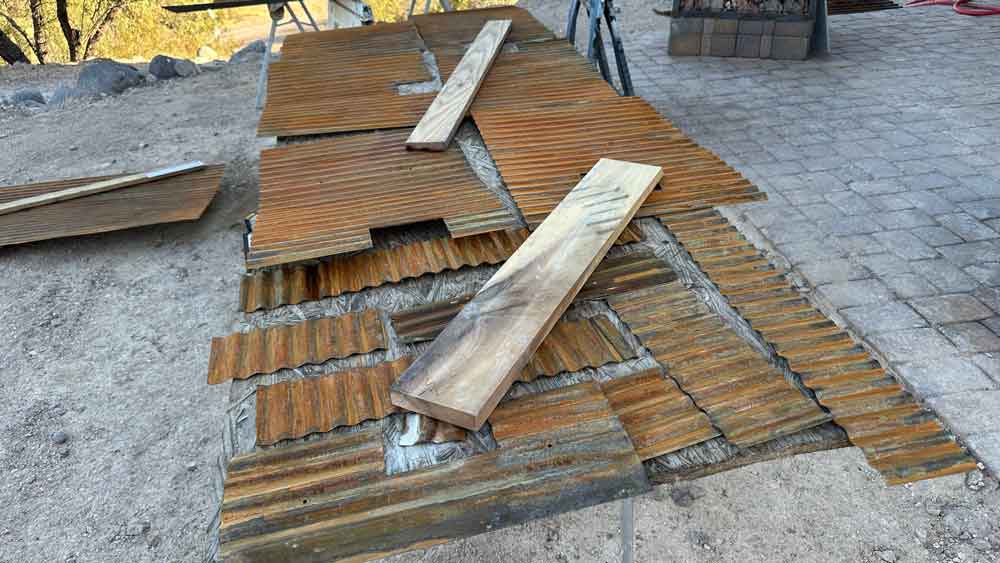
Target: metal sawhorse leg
{"x": 277, "y": 11}
{"x": 445, "y": 5}
{"x": 596, "y": 11}
{"x": 628, "y": 529}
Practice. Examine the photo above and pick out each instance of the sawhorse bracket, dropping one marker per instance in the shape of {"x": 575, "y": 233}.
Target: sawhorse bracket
{"x": 596, "y": 53}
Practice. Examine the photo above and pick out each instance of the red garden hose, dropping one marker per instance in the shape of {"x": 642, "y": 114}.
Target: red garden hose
{"x": 964, "y": 7}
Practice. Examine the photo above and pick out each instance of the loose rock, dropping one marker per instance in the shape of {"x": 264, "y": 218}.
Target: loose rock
{"x": 249, "y": 52}
{"x": 104, "y": 76}
{"x": 28, "y": 95}
{"x": 887, "y": 555}
{"x": 137, "y": 528}
{"x": 185, "y": 68}
{"x": 64, "y": 93}
{"x": 162, "y": 67}
{"x": 59, "y": 437}
{"x": 975, "y": 480}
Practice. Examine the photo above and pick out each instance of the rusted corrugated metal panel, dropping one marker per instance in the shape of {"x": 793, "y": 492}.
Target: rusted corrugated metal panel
{"x": 288, "y": 285}
{"x": 356, "y": 514}
{"x": 542, "y": 151}
{"x": 177, "y": 198}
{"x": 901, "y": 440}
{"x": 622, "y": 274}
{"x": 454, "y": 30}
{"x": 380, "y": 39}
{"x": 534, "y": 74}
{"x": 745, "y": 397}
{"x": 297, "y": 408}
{"x": 243, "y": 354}
{"x": 571, "y": 345}
{"x": 319, "y": 199}
{"x": 657, "y": 415}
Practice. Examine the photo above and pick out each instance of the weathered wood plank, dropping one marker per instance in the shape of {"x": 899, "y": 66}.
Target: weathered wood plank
{"x": 438, "y": 125}
{"x": 98, "y": 187}
{"x": 299, "y": 510}
{"x": 463, "y": 375}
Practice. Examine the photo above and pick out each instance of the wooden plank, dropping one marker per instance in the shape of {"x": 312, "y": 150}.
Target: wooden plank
{"x": 462, "y": 376}
{"x": 439, "y": 123}
{"x": 99, "y": 187}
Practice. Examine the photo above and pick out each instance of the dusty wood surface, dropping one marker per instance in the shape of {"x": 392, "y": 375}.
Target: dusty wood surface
{"x": 437, "y": 127}
{"x": 469, "y": 367}
{"x": 98, "y": 187}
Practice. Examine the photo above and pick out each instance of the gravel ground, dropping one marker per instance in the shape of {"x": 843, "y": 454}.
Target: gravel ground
{"x": 108, "y": 431}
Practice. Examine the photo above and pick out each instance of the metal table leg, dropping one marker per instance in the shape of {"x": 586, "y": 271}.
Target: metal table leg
{"x": 628, "y": 530}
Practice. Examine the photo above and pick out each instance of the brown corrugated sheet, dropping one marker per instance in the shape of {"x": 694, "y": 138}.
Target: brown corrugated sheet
{"x": 657, "y": 415}
{"x": 327, "y": 497}
{"x": 543, "y": 151}
{"x": 297, "y": 408}
{"x": 446, "y": 31}
{"x": 243, "y": 354}
{"x": 177, "y": 198}
{"x": 289, "y": 285}
{"x": 745, "y": 397}
{"x": 321, "y": 198}
{"x": 535, "y": 73}
{"x": 900, "y": 439}
{"x": 345, "y": 80}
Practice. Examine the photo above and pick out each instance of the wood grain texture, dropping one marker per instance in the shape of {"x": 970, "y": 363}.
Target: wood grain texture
{"x": 438, "y": 125}
{"x": 98, "y": 187}
{"x": 576, "y": 455}
{"x": 468, "y": 368}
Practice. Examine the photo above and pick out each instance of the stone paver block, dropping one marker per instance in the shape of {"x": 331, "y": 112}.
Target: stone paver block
{"x": 985, "y": 446}
{"x": 851, "y": 225}
{"x": 877, "y": 187}
{"x": 914, "y": 344}
{"x": 789, "y": 48}
{"x": 929, "y": 181}
{"x": 967, "y": 227}
{"x": 748, "y": 46}
{"x": 930, "y": 202}
{"x": 854, "y": 293}
{"x": 944, "y": 275}
{"x": 794, "y": 28}
{"x": 726, "y": 26}
{"x": 936, "y": 236}
{"x": 905, "y": 245}
{"x": 873, "y": 319}
{"x": 979, "y": 252}
{"x": 856, "y": 245}
{"x": 751, "y": 27}
{"x": 957, "y": 308}
{"x": 686, "y": 25}
{"x": 766, "y": 42}
{"x": 932, "y": 378}
{"x": 850, "y": 203}
{"x": 972, "y": 337}
{"x": 908, "y": 286}
{"x": 983, "y": 209}
{"x": 988, "y": 274}
{"x": 832, "y": 270}
{"x": 685, "y": 44}
{"x": 989, "y": 363}
{"x": 884, "y": 265}
{"x": 969, "y": 413}
{"x": 906, "y": 219}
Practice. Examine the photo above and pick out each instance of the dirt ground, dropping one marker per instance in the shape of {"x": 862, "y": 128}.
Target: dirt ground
{"x": 107, "y": 339}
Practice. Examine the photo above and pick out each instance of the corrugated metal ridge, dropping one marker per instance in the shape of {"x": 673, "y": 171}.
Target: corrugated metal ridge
{"x": 243, "y": 354}
{"x": 656, "y": 414}
{"x": 900, "y": 439}
{"x": 542, "y": 151}
{"x": 379, "y": 39}
{"x": 321, "y": 198}
{"x": 297, "y": 408}
{"x": 354, "y": 513}
{"x": 178, "y": 198}
{"x": 744, "y": 396}
{"x": 289, "y": 285}
{"x": 459, "y": 28}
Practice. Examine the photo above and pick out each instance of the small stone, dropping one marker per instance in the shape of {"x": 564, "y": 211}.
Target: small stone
{"x": 137, "y": 528}
{"x": 185, "y": 68}
{"x": 153, "y": 541}
{"x": 74, "y": 148}
{"x": 191, "y": 466}
{"x": 249, "y": 52}
{"x": 965, "y": 535}
{"x": 64, "y": 452}
{"x": 28, "y": 95}
{"x": 887, "y": 555}
{"x": 162, "y": 67}
{"x": 975, "y": 480}
{"x": 105, "y": 77}
{"x": 59, "y": 437}
{"x": 682, "y": 496}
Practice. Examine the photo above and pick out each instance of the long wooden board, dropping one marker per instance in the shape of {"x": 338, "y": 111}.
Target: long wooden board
{"x": 439, "y": 123}
{"x": 98, "y": 187}
{"x": 465, "y": 372}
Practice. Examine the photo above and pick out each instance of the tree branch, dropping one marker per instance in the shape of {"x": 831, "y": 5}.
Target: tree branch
{"x": 71, "y": 34}
{"x": 13, "y": 24}
{"x": 101, "y": 26}
{"x": 38, "y": 26}
{"x": 10, "y": 52}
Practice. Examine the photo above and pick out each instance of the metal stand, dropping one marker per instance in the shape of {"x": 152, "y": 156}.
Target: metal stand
{"x": 277, "y": 11}
{"x": 596, "y": 9}
{"x": 628, "y": 529}
{"x": 445, "y": 5}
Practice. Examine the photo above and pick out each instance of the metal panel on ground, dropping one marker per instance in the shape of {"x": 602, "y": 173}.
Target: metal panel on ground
{"x": 542, "y": 152}
{"x": 901, "y": 440}
{"x": 322, "y": 198}
{"x": 243, "y": 354}
{"x": 455, "y": 30}
{"x": 746, "y": 398}
{"x": 177, "y": 198}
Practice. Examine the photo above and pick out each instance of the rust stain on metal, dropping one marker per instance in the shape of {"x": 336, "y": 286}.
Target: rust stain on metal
{"x": 657, "y": 415}
{"x": 345, "y": 80}
{"x": 297, "y": 408}
{"x": 455, "y": 30}
{"x": 289, "y": 285}
{"x": 322, "y": 198}
{"x": 177, "y": 198}
{"x": 332, "y": 496}
{"x": 542, "y": 151}
{"x": 747, "y": 398}
{"x": 901, "y": 440}
{"x": 243, "y": 354}
{"x": 536, "y": 73}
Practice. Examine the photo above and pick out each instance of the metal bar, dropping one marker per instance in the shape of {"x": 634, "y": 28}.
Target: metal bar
{"x": 445, "y": 5}
{"x": 295, "y": 19}
{"x": 574, "y": 12}
{"x": 305, "y": 9}
{"x": 616, "y": 43}
{"x": 409, "y": 12}
{"x": 265, "y": 62}
{"x": 628, "y": 530}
